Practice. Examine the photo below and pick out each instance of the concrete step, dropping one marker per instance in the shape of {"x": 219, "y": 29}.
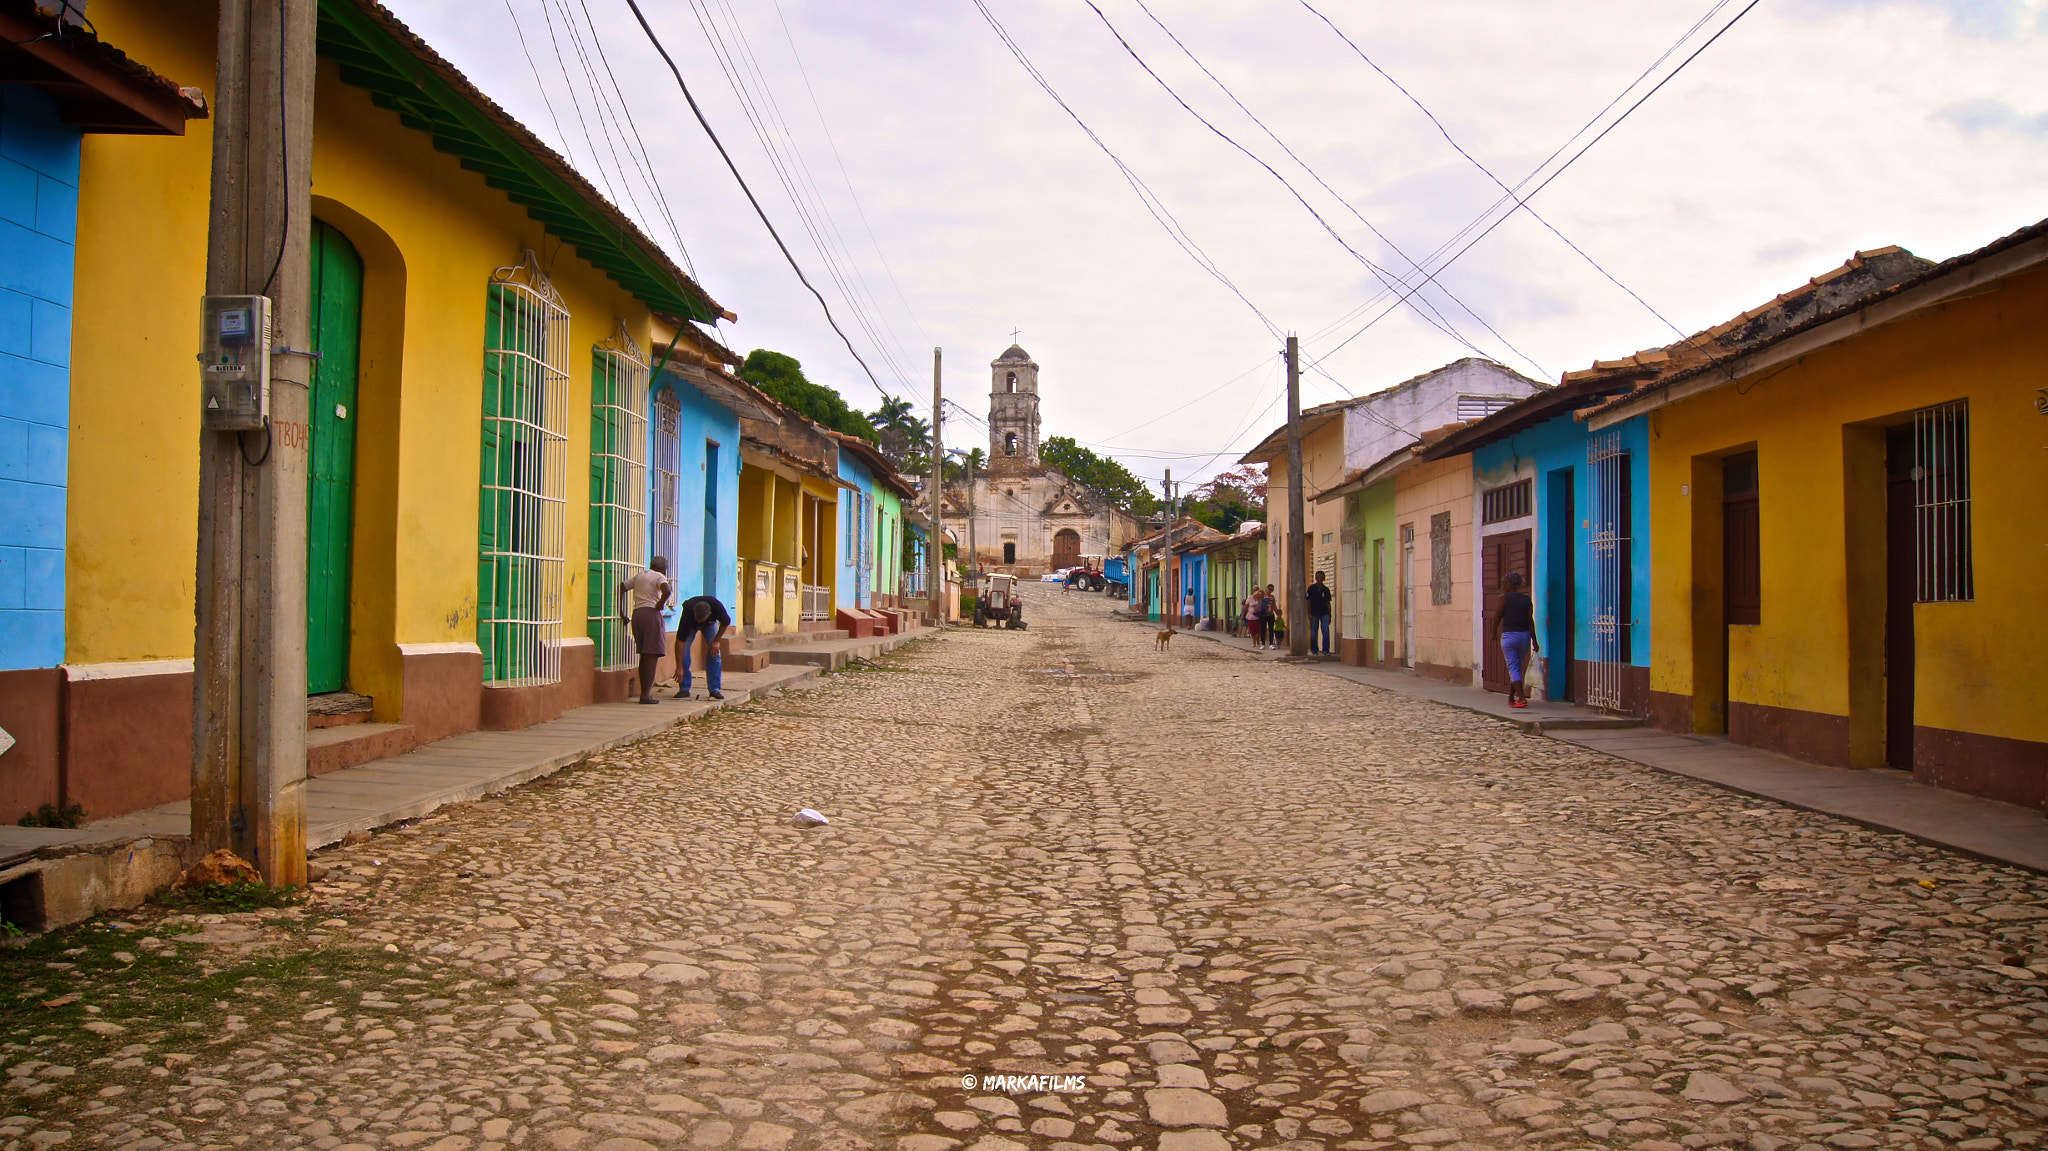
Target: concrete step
{"x": 836, "y": 654}
{"x": 334, "y": 748}
{"x": 784, "y": 639}
{"x": 336, "y": 709}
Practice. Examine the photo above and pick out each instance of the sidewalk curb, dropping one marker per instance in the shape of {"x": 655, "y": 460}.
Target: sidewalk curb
{"x": 1982, "y": 829}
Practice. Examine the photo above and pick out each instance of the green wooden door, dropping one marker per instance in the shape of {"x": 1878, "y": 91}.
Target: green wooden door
{"x": 330, "y": 478}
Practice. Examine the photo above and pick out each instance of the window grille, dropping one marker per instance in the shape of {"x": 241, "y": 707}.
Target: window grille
{"x": 1474, "y": 408}
{"x": 668, "y": 483}
{"x": 1440, "y": 558}
{"x": 1609, "y": 570}
{"x": 1942, "y": 566}
{"x": 1507, "y": 502}
{"x": 524, "y": 482}
{"x": 618, "y": 490}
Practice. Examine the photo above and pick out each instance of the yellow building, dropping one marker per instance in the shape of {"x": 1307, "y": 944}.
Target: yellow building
{"x": 484, "y": 319}
{"x": 1847, "y": 529}
{"x": 788, "y": 526}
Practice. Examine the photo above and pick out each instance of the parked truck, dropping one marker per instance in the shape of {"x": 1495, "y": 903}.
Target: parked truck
{"x": 1116, "y": 578}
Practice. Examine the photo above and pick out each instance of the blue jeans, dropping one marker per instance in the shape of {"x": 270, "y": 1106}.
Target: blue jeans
{"x": 714, "y": 670}
{"x": 1319, "y": 634}
{"x": 1514, "y": 648}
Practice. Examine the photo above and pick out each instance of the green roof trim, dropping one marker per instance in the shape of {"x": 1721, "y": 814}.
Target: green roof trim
{"x": 401, "y": 72}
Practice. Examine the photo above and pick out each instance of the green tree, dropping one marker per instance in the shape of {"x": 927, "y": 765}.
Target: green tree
{"x": 1230, "y": 499}
{"x": 1099, "y": 474}
{"x": 905, "y": 438}
{"x": 782, "y": 377}
{"x": 956, "y": 471}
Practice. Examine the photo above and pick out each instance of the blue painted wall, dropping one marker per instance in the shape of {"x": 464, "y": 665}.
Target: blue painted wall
{"x": 1554, "y": 447}
{"x": 700, "y": 425}
{"x": 1194, "y": 582}
{"x": 38, "y": 227}
{"x": 854, "y": 588}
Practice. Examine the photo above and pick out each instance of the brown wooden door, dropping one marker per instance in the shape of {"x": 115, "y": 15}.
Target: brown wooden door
{"x": 1499, "y": 555}
{"x": 1066, "y": 548}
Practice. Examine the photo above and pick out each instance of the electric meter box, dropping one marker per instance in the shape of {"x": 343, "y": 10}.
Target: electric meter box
{"x": 234, "y": 365}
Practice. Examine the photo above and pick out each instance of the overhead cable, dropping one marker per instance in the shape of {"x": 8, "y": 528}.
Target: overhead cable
{"x": 1153, "y": 204}
{"x": 1521, "y": 203}
{"x": 1453, "y": 258}
{"x": 1430, "y": 316}
{"x": 742, "y": 181}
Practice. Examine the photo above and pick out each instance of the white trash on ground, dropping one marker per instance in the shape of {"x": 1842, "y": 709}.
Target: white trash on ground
{"x": 809, "y": 818}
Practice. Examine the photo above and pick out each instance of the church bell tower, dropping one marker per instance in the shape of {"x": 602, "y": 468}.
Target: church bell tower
{"x": 1013, "y": 414}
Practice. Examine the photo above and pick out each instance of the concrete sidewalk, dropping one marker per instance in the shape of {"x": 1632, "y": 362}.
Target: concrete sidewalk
{"x": 1881, "y": 799}
{"x": 384, "y": 791}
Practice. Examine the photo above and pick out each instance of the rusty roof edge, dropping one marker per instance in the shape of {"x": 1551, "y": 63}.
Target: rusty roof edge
{"x": 1652, "y": 396}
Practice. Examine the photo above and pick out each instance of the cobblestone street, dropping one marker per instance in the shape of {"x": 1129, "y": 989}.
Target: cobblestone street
{"x": 1251, "y": 906}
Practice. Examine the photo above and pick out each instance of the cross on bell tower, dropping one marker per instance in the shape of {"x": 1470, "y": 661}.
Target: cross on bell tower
{"x": 1013, "y": 413}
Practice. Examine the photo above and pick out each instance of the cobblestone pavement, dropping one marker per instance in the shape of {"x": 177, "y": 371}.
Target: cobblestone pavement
{"x": 1249, "y": 905}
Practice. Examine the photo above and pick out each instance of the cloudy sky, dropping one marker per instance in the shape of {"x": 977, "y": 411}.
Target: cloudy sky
{"x": 946, "y": 199}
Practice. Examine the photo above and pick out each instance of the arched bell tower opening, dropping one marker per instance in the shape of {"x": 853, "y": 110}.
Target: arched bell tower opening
{"x": 1013, "y": 413}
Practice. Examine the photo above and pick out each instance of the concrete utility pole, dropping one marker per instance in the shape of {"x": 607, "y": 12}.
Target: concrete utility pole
{"x": 249, "y": 681}
{"x": 935, "y": 558}
{"x": 973, "y": 549}
{"x": 1297, "y": 516}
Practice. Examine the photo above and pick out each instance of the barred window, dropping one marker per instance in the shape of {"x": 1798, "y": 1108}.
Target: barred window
{"x": 1506, "y": 502}
{"x": 1942, "y": 566}
{"x": 1440, "y": 558}
{"x": 618, "y": 490}
{"x": 523, "y": 493}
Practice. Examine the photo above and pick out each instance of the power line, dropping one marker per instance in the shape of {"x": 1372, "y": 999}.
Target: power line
{"x": 537, "y": 81}
{"x": 848, "y": 177}
{"x": 1520, "y": 202}
{"x": 742, "y": 181}
{"x": 1153, "y": 205}
{"x": 764, "y": 116}
{"x": 1432, "y": 317}
{"x": 1554, "y": 175}
{"x": 638, "y": 149}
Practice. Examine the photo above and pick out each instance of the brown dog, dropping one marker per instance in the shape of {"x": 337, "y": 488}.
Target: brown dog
{"x": 1164, "y": 637}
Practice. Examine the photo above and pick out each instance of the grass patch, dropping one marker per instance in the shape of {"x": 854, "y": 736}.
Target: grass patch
{"x": 83, "y": 996}
{"x": 230, "y": 897}
{"x": 70, "y": 815}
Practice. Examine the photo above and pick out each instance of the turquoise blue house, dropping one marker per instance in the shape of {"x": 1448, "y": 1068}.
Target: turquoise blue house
{"x": 38, "y": 224}
{"x": 58, "y": 84}
{"x": 855, "y": 587}
{"x": 1566, "y": 508}
{"x": 694, "y": 473}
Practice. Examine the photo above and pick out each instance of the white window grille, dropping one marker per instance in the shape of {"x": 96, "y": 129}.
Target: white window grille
{"x": 668, "y": 481}
{"x": 1942, "y": 566}
{"x": 1610, "y": 570}
{"x": 524, "y": 484}
{"x": 618, "y": 490}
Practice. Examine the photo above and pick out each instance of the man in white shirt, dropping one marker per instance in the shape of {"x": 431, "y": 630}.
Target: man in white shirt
{"x": 650, "y": 591}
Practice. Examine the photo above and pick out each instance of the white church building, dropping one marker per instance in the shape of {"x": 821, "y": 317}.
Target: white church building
{"x": 1018, "y": 516}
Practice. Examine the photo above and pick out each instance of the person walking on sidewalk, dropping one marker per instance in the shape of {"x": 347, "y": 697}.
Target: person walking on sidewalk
{"x": 702, "y": 614}
{"x": 1262, "y": 619}
{"x": 649, "y": 591}
{"x": 1514, "y": 627}
{"x": 1319, "y": 616}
